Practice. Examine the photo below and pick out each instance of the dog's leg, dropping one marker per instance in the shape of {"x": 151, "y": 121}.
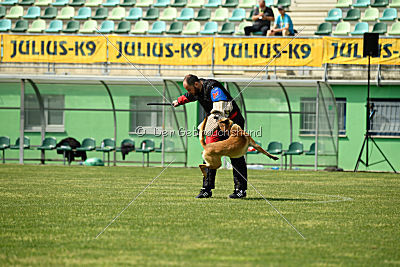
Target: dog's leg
{"x": 260, "y": 149}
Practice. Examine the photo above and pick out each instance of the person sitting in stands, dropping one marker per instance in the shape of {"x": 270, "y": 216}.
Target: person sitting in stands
{"x": 283, "y": 25}
{"x": 262, "y": 17}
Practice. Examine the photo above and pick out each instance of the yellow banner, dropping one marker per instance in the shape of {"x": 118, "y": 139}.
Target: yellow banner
{"x": 54, "y": 48}
{"x": 161, "y": 50}
{"x": 350, "y": 51}
{"x": 263, "y": 51}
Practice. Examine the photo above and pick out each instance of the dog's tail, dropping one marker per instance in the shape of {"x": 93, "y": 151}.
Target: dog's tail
{"x": 201, "y": 134}
{"x": 261, "y": 150}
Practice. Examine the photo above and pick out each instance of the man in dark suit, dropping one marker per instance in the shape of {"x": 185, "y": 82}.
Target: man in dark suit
{"x": 262, "y": 17}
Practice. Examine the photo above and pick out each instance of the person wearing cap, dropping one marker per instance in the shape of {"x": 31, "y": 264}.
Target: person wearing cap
{"x": 262, "y": 17}
{"x": 283, "y": 24}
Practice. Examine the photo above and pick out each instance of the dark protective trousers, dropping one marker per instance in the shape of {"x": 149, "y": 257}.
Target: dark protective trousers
{"x": 256, "y": 28}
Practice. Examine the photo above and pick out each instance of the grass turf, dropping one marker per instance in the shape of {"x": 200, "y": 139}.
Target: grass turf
{"x": 50, "y": 215}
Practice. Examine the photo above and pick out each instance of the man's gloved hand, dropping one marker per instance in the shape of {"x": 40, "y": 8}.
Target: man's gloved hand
{"x": 175, "y": 103}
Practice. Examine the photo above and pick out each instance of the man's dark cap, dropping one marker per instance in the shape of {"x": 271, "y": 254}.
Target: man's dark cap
{"x": 281, "y": 8}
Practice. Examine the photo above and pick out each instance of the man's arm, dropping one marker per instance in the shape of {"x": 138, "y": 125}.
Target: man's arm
{"x": 269, "y": 15}
{"x": 183, "y": 99}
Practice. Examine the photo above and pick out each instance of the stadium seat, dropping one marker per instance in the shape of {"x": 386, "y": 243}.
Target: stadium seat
{"x": 66, "y": 13}
{"x": 4, "y": 144}
{"x": 93, "y": 3}
{"x": 380, "y": 28}
{"x": 252, "y": 150}
{"x": 49, "y": 13}
{"x": 228, "y": 28}
{"x": 389, "y": 14}
{"x": 107, "y": 26}
{"x": 274, "y": 148}
{"x": 146, "y": 147}
{"x": 127, "y": 141}
{"x": 169, "y": 146}
{"x": 221, "y": 14}
{"x": 15, "y": 12}
{"x": 162, "y": 3}
{"x": 100, "y": 14}
{"x": 60, "y": 3}
{"x": 107, "y": 146}
{"x": 371, "y": 14}
{"x": 324, "y": 29}
{"x": 32, "y": 13}
{"x": 117, "y": 13}
{"x": 343, "y": 28}
{"x": 204, "y": 14}
{"x": 295, "y": 148}
{"x": 344, "y": 3}
{"x": 353, "y": 15}
{"x": 247, "y": 4}
{"x": 238, "y": 14}
{"x": 210, "y": 28}
{"x": 242, "y": 25}
{"x": 71, "y": 27}
{"x": 186, "y": 14}
{"x": 37, "y": 26}
{"x": 84, "y": 13}
{"x": 123, "y": 27}
{"x": 144, "y": 3}
{"x": 360, "y": 28}
{"x": 168, "y": 14}
{"x": 380, "y": 3}
{"x": 43, "y": 2}
{"x": 9, "y": 2}
{"x": 111, "y": 3}
{"x": 141, "y": 27}
{"x": 362, "y": 3}
{"x": 334, "y": 15}
{"x": 213, "y": 3}
{"x": 89, "y": 27}
{"x": 151, "y": 14}
{"x": 179, "y": 3}
{"x": 311, "y": 151}
{"x": 20, "y": 26}
{"x": 2, "y": 11}
{"x": 395, "y": 3}
{"x": 158, "y": 27}
{"x": 135, "y": 13}
{"x": 55, "y": 26}
{"x": 64, "y": 148}
{"x": 395, "y": 29}
{"x": 284, "y": 3}
{"x": 49, "y": 143}
{"x": 196, "y": 3}
{"x": 128, "y": 3}
{"x": 27, "y": 143}
{"x": 250, "y": 17}
{"x": 175, "y": 28}
{"x": 88, "y": 144}
{"x": 26, "y": 2}
{"x": 192, "y": 28}
{"x": 230, "y": 3}
{"x": 77, "y": 3}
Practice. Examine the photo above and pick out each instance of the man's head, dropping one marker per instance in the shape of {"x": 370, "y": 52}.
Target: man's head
{"x": 261, "y": 3}
{"x": 192, "y": 84}
{"x": 281, "y": 10}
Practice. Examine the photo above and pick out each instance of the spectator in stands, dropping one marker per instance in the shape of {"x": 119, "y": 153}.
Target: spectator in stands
{"x": 283, "y": 25}
{"x": 262, "y": 17}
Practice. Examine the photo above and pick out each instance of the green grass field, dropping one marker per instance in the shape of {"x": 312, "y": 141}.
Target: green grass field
{"x": 50, "y": 215}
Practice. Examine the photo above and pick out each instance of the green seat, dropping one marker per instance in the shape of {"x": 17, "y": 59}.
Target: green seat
{"x": 146, "y": 146}
{"x": 169, "y": 14}
{"x": 192, "y": 28}
{"x": 107, "y": 26}
{"x": 284, "y": 3}
{"x": 141, "y": 27}
{"x": 89, "y": 26}
{"x": 84, "y": 13}
{"x": 128, "y": 141}
{"x": 43, "y": 2}
{"x": 93, "y": 3}
{"x": 158, "y": 27}
{"x": 380, "y": 28}
{"x": 101, "y": 13}
{"x": 123, "y": 27}
{"x": 362, "y": 3}
{"x": 204, "y": 14}
{"x": 395, "y": 3}
{"x": 179, "y": 3}
{"x": 187, "y": 14}
{"x": 37, "y": 26}
{"x": 77, "y": 3}
{"x": 66, "y": 13}
{"x": 295, "y": 148}
{"x": 49, "y": 143}
{"x": 230, "y": 3}
{"x": 71, "y": 27}
{"x": 360, "y": 28}
{"x": 343, "y": 28}
{"x": 55, "y": 26}
{"x": 60, "y": 3}
{"x": 118, "y": 13}
{"x": 221, "y": 14}
{"x": 370, "y": 14}
{"x": 9, "y": 2}
{"x": 175, "y": 28}
{"x": 128, "y": 3}
{"x": 213, "y": 3}
{"x": 334, "y": 15}
{"x": 135, "y": 13}
{"x": 380, "y": 3}
{"x": 275, "y": 148}
{"x": 20, "y": 26}
{"x": 344, "y": 3}
{"x": 88, "y": 144}
{"x": 238, "y": 14}
{"x": 32, "y": 13}
{"x": 4, "y": 144}
{"x": 107, "y": 145}
{"x": 252, "y": 150}
{"x": 311, "y": 151}
{"x": 389, "y": 14}
{"x": 111, "y": 3}
{"x": 247, "y": 4}
{"x": 15, "y": 12}
{"x": 64, "y": 147}
{"x": 259, "y": 33}
{"x": 269, "y": 3}
{"x": 324, "y": 29}
{"x": 49, "y": 13}
{"x": 2, "y": 11}
{"x": 250, "y": 17}
{"x": 162, "y": 3}
{"x": 353, "y": 15}
{"x": 27, "y": 143}
{"x": 196, "y": 3}
{"x": 169, "y": 146}
{"x": 228, "y": 28}
{"x": 210, "y": 28}
{"x": 144, "y": 3}
{"x": 242, "y": 25}
{"x": 395, "y": 29}
{"x": 151, "y": 14}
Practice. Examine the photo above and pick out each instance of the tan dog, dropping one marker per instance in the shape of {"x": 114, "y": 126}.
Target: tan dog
{"x": 234, "y": 147}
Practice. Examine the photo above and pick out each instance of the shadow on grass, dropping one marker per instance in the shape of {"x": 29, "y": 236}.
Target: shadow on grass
{"x": 272, "y": 199}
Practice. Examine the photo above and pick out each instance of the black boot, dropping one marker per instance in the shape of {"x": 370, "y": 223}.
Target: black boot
{"x": 204, "y": 193}
{"x": 238, "y": 194}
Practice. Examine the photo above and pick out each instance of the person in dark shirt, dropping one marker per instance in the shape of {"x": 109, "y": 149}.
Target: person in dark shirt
{"x": 262, "y": 17}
